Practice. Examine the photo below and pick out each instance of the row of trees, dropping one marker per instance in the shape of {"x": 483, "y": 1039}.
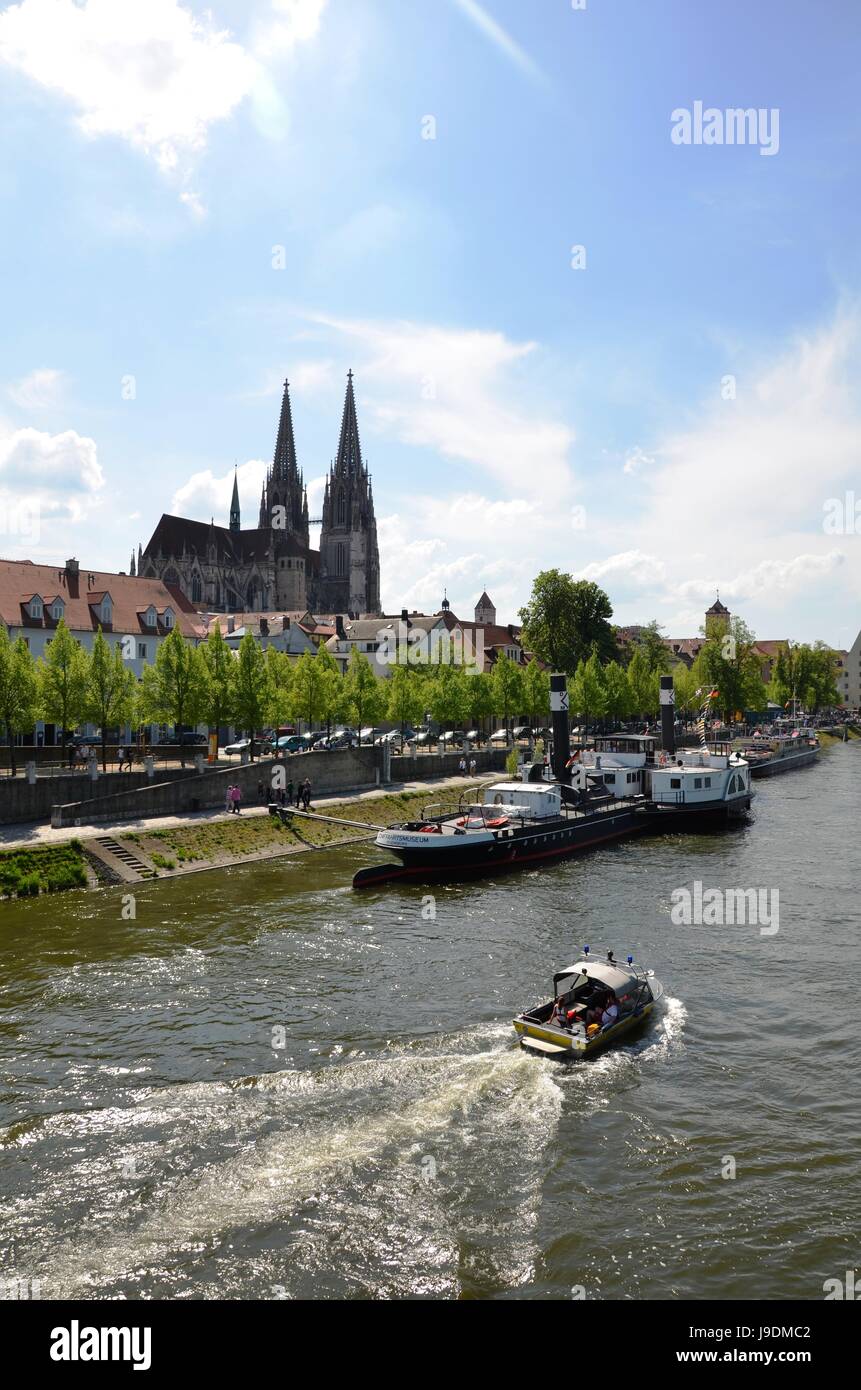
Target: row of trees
{"x": 248, "y": 689}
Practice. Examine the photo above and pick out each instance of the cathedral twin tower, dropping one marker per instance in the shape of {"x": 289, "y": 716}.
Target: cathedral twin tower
{"x": 227, "y": 569}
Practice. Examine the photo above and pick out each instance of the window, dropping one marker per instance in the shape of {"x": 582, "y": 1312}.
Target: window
{"x": 58, "y": 608}
{"x": 35, "y": 608}
{"x": 168, "y": 618}
{"x": 698, "y": 782}
{"x": 708, "y": 781}
{"x": 106, "y": 609}
{"x": 142, "y": 651}
{"x": 196, "y": 589}
{"x": 675, "y": 783}
{"x": 150, "y": 616}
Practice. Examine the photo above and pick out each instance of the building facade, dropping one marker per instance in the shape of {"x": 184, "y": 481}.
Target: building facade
{"x": 272, "y": 566}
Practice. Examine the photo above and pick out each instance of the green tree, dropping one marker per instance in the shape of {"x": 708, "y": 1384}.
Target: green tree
{"x": 111, "y": 694}
{"x": 174, "y": 688}
{"x": 279, "y": 674}
{"x": 364, "y": 695}
{"x": 822, "y": 688}
{"x": 566, "y": 619}
{"x": 219, "y": 668}
{"x": 650, "y": 642}
{"x": 309, "y": 689}
{"x": 406, "y": 697}
{"x": 19, "y": 690}
{"x": 447, "y": 696}
{"x": 536, "y": 692}
{"x": 617, "y": 691}
{"x": 587, "y": 691}
{"x": 252, "y": 692}
{"x": 685, "y": 686}
{"x": 730, "y": 663}
{"x": 644, "y": 684}
{"x": 507, "y": 685}
{"x": 480, "y": 697}
{"x": 332, "y": 690}
{"x": 63, "y": 680}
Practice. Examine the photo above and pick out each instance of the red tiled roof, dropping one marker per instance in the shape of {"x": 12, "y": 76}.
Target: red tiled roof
{"x": 130, "y": 598}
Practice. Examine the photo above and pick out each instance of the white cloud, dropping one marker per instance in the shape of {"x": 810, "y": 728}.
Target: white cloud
{"x": 44, "y": 479}
{"x": 39, "y": 390}
{"x": 206, "y": 496}
{"x": 453, "y": 390}
{"x": 152, "y": 73}
{"x": 636, "y": 459}
{"x": 633, "y": 566}
{"x": 788, "y": 576}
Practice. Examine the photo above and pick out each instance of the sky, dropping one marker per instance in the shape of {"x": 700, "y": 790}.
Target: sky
{"x": 580, "y": 340}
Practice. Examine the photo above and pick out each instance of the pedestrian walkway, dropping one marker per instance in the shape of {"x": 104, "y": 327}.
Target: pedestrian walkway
{"x": 43, "y": 833}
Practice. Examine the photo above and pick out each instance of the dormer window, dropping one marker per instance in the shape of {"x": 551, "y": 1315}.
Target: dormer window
{"x": 58, "y": 608}
{"x": 151, "y": 617}
{"x": 106, "y": 609}
{"x": 168, "y": 618}
{"x": 35, "y": 607}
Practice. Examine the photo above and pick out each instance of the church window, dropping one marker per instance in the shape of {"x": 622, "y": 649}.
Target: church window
{"x": 171, "y": 576}
{"x": 196, "y": 589}
{"x": 342, "y": 509}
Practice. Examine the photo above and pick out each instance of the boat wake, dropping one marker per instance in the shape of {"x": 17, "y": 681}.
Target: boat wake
{"x": 414, "y": 1171}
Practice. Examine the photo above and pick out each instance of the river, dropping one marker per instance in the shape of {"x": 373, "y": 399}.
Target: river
{"x": 265, "y": 1085}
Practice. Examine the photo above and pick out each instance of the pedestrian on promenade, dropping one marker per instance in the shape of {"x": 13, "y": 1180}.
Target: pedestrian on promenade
{"x": 306, "y": 792}
{"x": 461, "y": 767}
{"x": 121, "y": 757}
{"x": 473, "y": 767}
{"x": 237, "y": 798}
{"x": 228, "y": 800}
{"x": 261, "y": 792}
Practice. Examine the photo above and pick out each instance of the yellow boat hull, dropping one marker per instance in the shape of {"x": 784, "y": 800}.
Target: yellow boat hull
{"x": 557, "y": 1042}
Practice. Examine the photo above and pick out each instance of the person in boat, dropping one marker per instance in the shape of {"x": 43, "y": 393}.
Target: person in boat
{"x": 559, "y": 1016}
{"x": 611, "y": 1012}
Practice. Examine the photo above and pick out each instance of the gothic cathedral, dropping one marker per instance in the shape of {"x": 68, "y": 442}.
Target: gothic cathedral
{"x": 225, "y": 569}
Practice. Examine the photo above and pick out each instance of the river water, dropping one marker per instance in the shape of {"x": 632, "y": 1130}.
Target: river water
{"x": 266, "y": 1085}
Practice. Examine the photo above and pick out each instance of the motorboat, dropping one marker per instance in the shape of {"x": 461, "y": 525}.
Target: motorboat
{"x": 595, "y": 1003}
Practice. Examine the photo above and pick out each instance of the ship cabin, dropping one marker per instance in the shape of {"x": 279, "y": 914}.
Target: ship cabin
{"x": 619, "y": 761}
{"x": 530, "y": 800}
{"x": 697, "y": 776}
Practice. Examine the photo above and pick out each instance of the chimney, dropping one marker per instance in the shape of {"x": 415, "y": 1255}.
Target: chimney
{"x": 668, "y": 715}
{"x": 561, "y": 732}
{"x": 405, "y": 617}
{"x": 71, "y": 567}
{"x": 264, "y": 627}
{"x": 231, "y": 624}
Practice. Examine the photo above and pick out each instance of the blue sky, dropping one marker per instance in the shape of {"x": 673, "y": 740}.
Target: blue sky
{"x": 516, "y": 412}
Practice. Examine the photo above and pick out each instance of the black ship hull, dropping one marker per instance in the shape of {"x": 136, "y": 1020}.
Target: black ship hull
{"x": 465, "y": 856}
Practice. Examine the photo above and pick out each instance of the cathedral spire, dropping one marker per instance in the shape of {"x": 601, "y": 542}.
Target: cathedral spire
{"x": 234, "y": 504}
{"x": 284, "y": 463}
{"x": 349, "y": 459}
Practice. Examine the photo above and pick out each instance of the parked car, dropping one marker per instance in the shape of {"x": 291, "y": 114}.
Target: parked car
{"x": 424, "y": 737}
{"x": 475, "y": 736}
{"x": 395, "y": 736}
{"x": 522, "y": 731}
{"x": 195, "y": 739}
{"x": 453, "y": 738}
{"x": 239, "y": 746}
{"x": 370, "y": 735}
{"x": 500, "y": 736}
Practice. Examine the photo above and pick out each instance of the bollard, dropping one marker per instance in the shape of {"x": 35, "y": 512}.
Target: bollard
{"x": 149, "y": 766}
{"x": 31, "y": 773}
{"x": 198, "y": 762}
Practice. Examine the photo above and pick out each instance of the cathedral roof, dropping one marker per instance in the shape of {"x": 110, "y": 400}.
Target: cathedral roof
{"x": 175, "y": 533}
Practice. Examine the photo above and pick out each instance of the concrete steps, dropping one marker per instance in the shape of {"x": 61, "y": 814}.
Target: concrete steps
{"x": 121, "y": 859}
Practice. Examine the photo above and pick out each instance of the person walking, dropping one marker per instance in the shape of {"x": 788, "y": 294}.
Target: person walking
{"x": 121, "y": 757}
{"x": 237, "y": 798}
{"x": 261, "y": 792}
{"x": 473, "y": 767}
{"x": 306, "y": 793}
{"x": 228, "y": 801}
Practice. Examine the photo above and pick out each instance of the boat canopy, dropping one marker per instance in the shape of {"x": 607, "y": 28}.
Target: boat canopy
{"x": 619, "y": 978}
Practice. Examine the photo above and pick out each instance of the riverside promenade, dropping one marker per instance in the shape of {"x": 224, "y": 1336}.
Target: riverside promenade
{"x": 30, "y": 835}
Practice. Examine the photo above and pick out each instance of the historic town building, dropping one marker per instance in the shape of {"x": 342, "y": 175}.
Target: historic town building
{"x": 272, "y": 567}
